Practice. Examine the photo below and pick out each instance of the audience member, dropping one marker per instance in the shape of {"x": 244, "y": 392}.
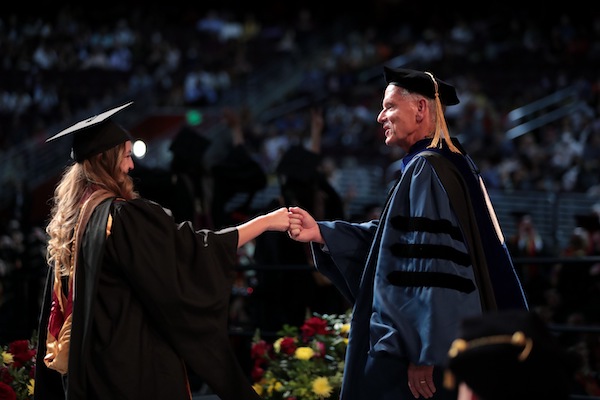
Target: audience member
{"x": 287, "y": 295}
{"x": 510, "y": 354}
{"x": 528, "y": 243}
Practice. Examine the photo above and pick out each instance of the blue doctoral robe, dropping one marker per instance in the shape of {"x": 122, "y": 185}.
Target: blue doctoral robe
{"x": 432, "y": 259}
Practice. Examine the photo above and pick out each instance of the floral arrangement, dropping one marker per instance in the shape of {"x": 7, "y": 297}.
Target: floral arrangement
{"x": 302, "y": 364}
{"x": 17, "y": 370}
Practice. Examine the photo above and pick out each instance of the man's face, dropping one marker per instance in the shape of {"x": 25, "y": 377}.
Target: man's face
{"x": 400, "y": 117}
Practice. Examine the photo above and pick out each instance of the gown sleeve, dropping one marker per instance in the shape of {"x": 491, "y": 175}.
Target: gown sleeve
{"x": 183, "y": 278}
{"x": 171, "y": 267}
{"x": 344, "y": 255}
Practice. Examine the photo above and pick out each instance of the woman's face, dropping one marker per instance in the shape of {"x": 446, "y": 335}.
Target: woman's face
{"x": 126, "y": 162}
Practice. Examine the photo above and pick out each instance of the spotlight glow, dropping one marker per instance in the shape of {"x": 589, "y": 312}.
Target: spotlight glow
{"x": 139, "y": 149}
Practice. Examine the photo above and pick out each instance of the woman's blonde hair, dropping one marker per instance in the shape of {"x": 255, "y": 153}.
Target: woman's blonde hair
{"x": 78, "y": 181}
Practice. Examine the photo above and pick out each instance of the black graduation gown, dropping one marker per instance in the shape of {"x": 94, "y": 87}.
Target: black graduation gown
{"x": 157, "y": 302}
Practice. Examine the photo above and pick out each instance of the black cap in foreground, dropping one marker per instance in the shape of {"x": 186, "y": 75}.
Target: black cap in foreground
{"x": 422, "y": 83}
{"x": 510, "y": 354}
{"x": 94, "y": 135}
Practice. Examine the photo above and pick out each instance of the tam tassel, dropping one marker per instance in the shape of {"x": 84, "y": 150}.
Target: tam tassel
{"x": 441, "y": 128}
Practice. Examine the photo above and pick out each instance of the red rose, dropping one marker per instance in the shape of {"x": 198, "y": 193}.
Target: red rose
{"x": 6, "y": 392}
{"x": 321, "y": 349}
{"x": 287, "y": 345}
{"x": 314, "y": 326}
{"x": 259, "y": 349}
{"x": 21, "y": 352}
{"x": 257, "y": 373}
{"x": 5, "y": 376}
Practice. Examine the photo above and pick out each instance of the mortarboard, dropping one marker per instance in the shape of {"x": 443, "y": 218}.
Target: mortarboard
{"x": 299, "y": 164}
{"x": 421, "y": 82}
{"x": 589, "y": 222}
{"x": 426, "y": 84}
{"x": 94, "y": 135}
{"x": 510, "y": 354}
{"x": 238, "y": 171}
{"x": 188, "y": 148}
{"x": 520, "y": 215}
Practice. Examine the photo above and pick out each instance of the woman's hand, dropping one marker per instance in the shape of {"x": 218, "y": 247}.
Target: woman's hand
{"x": 279, "y": 220}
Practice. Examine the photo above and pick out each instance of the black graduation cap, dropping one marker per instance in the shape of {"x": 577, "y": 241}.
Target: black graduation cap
{"x": 520, "y": 216}
{"x": 510, "y": 354}
{"x": 238, "y": 171}
{"x": 421, "y": 82}
{"x": 589, "y": 222}
{"x": 94, "y": 135}
{"x": 298, "y": 163}
{"x": 188, "y": 148}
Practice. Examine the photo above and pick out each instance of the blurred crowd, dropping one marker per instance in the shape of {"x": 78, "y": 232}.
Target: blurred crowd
{"x": 55, "y": 65}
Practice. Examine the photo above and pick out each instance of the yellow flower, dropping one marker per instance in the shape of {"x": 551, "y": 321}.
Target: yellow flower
{"x": 7, "y": 358}
{"x": 19, "y": 379}
{"x": 321, "y": 387}
{"x": 277, "y": 345}
{"x": 258, "y": 388}
{"x": 31, "y": 387}
{"x": 304, "y": 353}
{"x": 345, "y": 329}
{"x": 275, "y": 386}
{"x": 315, "y": 369}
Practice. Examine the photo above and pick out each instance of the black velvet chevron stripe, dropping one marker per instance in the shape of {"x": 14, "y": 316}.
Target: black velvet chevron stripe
{"x": 423, "y": 224}
{"x": 430, "y": 251}
{"x": 431, "y": 279}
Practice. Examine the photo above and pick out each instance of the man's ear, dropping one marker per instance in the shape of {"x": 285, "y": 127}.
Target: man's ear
{"x": 421, "y": 104}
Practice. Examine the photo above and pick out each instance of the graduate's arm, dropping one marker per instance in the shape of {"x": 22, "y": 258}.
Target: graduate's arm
{"x": 277, "y": 220}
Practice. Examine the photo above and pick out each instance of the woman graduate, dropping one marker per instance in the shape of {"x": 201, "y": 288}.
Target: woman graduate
{"x": 132, "y": 298}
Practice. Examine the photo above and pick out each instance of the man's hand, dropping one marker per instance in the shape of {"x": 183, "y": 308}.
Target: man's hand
{"x": 420, "y": 380}
{"x": 303, "y": 226}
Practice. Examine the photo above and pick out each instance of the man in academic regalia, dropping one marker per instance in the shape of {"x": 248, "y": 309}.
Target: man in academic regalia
{"x": 435, "y": 256}
{"x": 133, "y": 298}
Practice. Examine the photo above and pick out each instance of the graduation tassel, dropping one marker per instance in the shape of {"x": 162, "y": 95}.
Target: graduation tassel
{"x": 441, "y": 128}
